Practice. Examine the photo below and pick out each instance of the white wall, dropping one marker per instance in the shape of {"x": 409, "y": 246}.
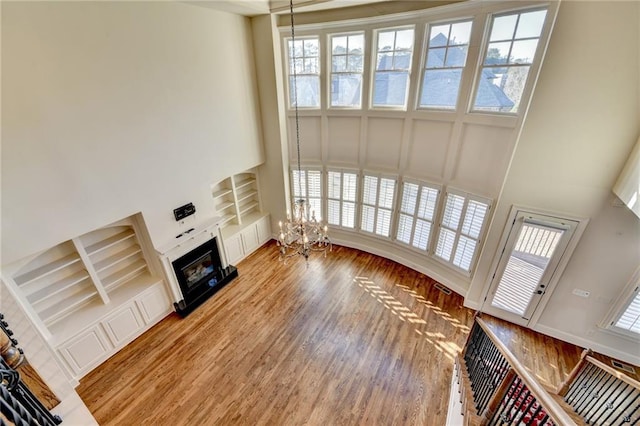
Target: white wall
{"x": 581, "y": 126}
{"x": 110, "y": 108}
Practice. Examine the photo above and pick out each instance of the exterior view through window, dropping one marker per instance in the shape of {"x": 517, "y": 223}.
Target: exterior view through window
{"x": 347, "y": 57}
{"x": 446, "y": 57}
{"x": 393, "y": 64}
{"x": 512, "y": 46}
{"x": 304, "y": 60}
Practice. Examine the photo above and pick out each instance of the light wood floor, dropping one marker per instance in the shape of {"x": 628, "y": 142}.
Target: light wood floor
{"x": 352, "y": 339}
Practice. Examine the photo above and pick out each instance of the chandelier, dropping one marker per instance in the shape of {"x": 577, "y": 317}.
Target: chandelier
{"x": 302, "y": 233}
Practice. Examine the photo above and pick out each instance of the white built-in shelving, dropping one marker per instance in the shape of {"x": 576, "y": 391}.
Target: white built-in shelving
{"x": 236, "y": 198}
{"x": 84, "y": 285}
{"x": 244, "y": 226}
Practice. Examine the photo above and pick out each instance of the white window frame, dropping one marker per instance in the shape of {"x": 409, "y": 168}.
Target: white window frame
{"x": 465, "y": 69}
{"x": 331, "y": 72}
{"x": 287, "y": 58}
{"x": 534, "y": 66}
{"x": 341, "y": 199}
{"x": 373, "y": 68}
{"x": 376, "y": 206}
{"x": 458, "y": 231}
{"x": 627, "y": 296}
{"x": 415, "y": 217}
{"x": 294, "y": 189}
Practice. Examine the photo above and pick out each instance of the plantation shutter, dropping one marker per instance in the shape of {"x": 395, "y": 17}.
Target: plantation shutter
{"x": 630, "y": 319}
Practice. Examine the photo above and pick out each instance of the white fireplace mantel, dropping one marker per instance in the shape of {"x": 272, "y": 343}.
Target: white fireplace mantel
{"x": 183, "y": 244}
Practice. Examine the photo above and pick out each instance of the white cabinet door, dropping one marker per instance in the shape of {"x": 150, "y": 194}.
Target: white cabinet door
{"x": 154, "y": 304}
{"x": 86, "y": 350}
{"x": 123, "y": 324}
{"x": 234, "y": 247}
{"x": 250, "y": 240}
{"x": 264, "y": 230}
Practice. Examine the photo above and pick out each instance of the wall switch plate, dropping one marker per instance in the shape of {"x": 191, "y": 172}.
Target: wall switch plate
{"x": 580, "y": 292}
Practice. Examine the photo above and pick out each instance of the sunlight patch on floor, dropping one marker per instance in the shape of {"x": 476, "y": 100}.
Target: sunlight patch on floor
{"x": 406, "y": 315}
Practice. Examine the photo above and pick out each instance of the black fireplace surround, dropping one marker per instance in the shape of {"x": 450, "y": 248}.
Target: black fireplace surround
{"x": 200, "y": 275}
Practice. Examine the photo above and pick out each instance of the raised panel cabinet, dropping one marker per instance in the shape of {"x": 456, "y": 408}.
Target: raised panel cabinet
{"x": 241, "y": 240}
{"x": 86, "y": 350}
{"x": 154, "y": 304}
{"x": 234, "y": 248}
{"x": 250, "y": 240}
{"x": 123, "y": 324}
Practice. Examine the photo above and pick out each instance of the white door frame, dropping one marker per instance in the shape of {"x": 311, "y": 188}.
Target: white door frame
{"x": 580, "y": 226}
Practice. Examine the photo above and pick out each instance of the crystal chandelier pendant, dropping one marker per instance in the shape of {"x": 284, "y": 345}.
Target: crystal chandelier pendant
{"x": 302, "y": 234}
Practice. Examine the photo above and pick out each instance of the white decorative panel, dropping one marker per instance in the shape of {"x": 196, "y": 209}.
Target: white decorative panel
{"x": 310, "y": 139}
{"x": 344, "y": 140}
{"x": 428, "y": 149}
{"x": 384, "y": 140}
{"x": 85, "y": 350}
{"x": 154, "y": 303}
{"x": 483, "y": 158}
{"x": 123, "y": 324}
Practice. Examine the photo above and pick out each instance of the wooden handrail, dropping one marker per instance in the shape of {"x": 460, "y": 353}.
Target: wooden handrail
{"x": 548, "y": 403}
{"x": 564, "y": 387}
{"x": 615, "y": 373}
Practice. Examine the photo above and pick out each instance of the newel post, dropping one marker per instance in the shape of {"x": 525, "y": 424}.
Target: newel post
{"x": 498, "y": 396}
{"x": 564, "y": 387}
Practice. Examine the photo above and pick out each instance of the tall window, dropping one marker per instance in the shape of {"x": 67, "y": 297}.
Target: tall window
{"x": 393, "y": 64}
{"x": 446, "y": 57}
{"x": 308, "y": 185}
{"x": 511, "y": 48}
{"x": 417, "y": 211}
{"x": 460, "y": 229}
{"x": 341, "y": 198}
{"x": 305, "y": 61}
{"x": 377, "y": 202}
{"x": 347, "y": 56}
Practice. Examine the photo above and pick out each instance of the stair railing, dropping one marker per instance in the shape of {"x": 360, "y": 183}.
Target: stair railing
{"x": 600, "y": 394}
{"x": 504, "y": 392}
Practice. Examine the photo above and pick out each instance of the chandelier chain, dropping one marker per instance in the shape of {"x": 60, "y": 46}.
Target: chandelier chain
{"x": 295, "y": 97}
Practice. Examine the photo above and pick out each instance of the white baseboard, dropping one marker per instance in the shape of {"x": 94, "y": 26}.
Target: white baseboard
{"x": 454, "y": 412}
{"x": 450, "y": 284}
{"x": 588, "y": 344}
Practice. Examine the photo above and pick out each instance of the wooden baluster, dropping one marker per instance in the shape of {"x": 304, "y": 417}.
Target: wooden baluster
{"x": 564, "y": 387}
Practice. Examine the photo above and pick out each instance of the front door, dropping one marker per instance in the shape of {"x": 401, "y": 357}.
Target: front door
{"x": 527, "y": 266}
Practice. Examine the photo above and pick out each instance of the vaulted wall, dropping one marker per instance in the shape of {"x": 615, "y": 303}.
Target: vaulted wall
{"x": 112, "y": 108}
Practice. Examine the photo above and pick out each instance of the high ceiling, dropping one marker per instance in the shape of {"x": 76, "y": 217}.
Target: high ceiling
{"x": 260, "y": 7}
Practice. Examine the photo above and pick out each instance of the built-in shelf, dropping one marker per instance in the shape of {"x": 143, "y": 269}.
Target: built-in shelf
{"x": 58, "y": 283}
{"x": 47, "y": 269}
{"x": 122, "y": 275}
{"x": 111, "y": 241}
{"x": 117, "y": 258}
{"x": 246, "y": 181}
{"x": 68, "y": 305}
{"x": 58, "y": 286}
{"x": 235, "y": 197}
{"x": 221, "y": 193}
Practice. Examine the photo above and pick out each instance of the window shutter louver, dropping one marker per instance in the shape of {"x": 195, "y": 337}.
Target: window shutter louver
{"x": 368, "y": 218}
{"x": 630, "y": 319}
{"x": 405, "y": 223}
{"x": 409, "y": 198}
{"x": 421, "y": 234}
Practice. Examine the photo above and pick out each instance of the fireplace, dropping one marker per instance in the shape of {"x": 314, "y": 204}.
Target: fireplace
{"x": 200, "y": 274}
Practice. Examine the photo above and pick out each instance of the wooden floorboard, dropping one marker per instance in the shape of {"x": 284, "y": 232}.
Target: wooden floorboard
{"x": 350, "y": 339}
